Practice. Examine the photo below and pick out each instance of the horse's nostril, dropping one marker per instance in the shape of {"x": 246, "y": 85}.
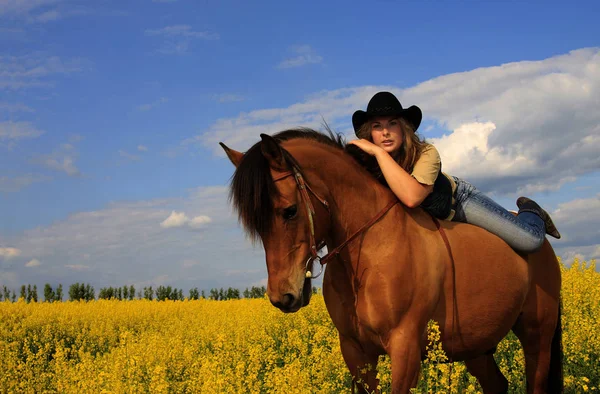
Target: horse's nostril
{"x": 288, "y": 300}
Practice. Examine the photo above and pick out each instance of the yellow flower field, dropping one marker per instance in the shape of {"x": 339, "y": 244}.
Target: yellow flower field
{"x": 241, "y": 346}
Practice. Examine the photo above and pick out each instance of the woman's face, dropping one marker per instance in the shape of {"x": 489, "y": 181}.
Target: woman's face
{"x": 386, "y": 133}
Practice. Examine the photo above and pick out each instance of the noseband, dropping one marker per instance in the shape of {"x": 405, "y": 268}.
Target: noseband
{"x": 310, "y": 212}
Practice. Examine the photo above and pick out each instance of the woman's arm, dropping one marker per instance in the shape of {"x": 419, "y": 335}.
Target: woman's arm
{"x": 403, "y": 185}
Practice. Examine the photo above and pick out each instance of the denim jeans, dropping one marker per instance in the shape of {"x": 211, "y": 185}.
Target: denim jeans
{"x": 524, "y": 233}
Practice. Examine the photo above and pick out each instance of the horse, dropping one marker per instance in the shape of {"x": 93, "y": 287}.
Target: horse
{"x": 391, "y": 269}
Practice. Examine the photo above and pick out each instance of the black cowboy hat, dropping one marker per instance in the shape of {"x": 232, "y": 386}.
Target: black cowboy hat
{"x": 386, "y": 104}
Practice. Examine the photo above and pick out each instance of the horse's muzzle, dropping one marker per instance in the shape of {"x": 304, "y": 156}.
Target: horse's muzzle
{"x": 288, "y": 303}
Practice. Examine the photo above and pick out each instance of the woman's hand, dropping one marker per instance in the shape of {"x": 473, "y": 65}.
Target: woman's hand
{"x": 366, "y": 146}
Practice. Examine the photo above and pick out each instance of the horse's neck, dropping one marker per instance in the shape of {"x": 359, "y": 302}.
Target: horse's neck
{"x": 355, "y": 196}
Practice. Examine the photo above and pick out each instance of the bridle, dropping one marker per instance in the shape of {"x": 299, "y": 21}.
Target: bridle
{"x": 304, "y": 188}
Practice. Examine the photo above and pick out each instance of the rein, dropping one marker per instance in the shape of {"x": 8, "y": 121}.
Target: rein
{"x": 310, "y": 210}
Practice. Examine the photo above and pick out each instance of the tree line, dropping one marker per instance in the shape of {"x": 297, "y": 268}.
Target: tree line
{"x": 85, "y": 292}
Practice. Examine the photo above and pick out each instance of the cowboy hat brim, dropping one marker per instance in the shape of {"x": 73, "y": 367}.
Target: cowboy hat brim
{"x": 413, "y": 114}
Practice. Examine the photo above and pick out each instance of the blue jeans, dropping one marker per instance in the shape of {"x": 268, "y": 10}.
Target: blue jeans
{"x": 524, "y": 233}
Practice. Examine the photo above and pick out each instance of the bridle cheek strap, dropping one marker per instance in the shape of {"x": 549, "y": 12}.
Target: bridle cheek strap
{"x": 304, "y": 188}
{"x": 310, "y": 211}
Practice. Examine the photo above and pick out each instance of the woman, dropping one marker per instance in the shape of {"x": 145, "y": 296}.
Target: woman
{"x": 412, "y": 169}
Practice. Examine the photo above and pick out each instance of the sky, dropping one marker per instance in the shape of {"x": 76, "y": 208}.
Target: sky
{"x": 111, "y": 113}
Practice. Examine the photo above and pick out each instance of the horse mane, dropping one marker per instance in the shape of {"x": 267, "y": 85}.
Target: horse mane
{"x": 252, "y": 188}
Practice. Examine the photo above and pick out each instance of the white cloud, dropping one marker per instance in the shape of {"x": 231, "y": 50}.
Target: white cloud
{"x": 179, "y": 219}
{"x": 14, "y": 107}
{"x": 77, "y": 267}
{"x": 21, "y": 7}
{"x": 239, "y": 133}
{"x": 64, "y": 164}
{"x": 228, "y": 97}
{"x": 122, "y": 243}
{"x": 8, "y": 185}
{"x": 304, "y": 55}
{"x": 128, "y": 156}
{"x": 177, "y": 38}
{"x": 13, "y": 131}
{"x": 35, "y": 70}
{"x": 33, "y": 263}
{"x": 62, "y": 159}
{"x": 181, "y": 30}
{"x": 142, "y": 148}
{"x": 525, "y": 126}
{"x": 48, "y": 16}
{"x": 577, "y": 220}
{"x": 199, "y": 221}
{"x": 148, "y": 107}
{"x": 9, "y": 253}
{"x": 39, "y": 11}
{"x": 175, "y": 219}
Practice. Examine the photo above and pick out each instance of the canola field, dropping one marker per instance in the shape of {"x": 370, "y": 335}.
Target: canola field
{"x": 243, "y": 346}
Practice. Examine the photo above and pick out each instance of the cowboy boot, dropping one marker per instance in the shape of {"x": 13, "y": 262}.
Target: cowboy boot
{"x": 527, "y": 205}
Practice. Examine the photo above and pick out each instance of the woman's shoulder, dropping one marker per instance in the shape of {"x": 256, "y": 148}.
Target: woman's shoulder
{"x": 429, "y": 151}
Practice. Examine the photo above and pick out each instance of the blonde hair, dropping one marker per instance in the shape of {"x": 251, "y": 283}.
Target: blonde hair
{"x": 412, "y": 144}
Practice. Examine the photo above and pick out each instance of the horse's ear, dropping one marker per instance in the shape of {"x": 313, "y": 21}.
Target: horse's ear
{"x": 234, "y": 156}
{"x": 273, "y": 152}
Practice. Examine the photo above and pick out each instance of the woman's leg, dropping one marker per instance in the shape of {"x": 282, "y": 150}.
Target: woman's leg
{"x": 525, "y": 232}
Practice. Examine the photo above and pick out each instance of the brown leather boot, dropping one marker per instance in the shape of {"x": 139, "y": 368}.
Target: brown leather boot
{"x": 527, "y": 205}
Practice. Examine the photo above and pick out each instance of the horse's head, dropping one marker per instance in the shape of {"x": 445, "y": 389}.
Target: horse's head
{"x": 272, "y": 207}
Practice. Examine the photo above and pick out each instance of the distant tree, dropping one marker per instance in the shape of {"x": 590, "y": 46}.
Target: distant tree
{"x": 221, "y": 294}
{"x": 214, "y": 294}
{"x": 194, "y": 295}
{"x": 106, "y": 293}
{"x": 6, "y": 292}
{"x": 89, "y": 293}
{"x": 59, "y": 293}
{"x": 14, "y": 296}
{"x": 132, "y": 292}
{"x": 74, "y": 293}
{"x": 163, "y": 293}
{"x": 35, "y": 293}
{"x": 246, "y": 293}
{"x": 202, "y": 295}
{"x": 232, "y": 294}
{"x": 256, "y": 292}
{"x": 148, "y": 293}
{"x": 23, "y": 294}
{"x": 139, "y": 295}
{"x": 81, "y": 291}
{"x": 125, "y": 292}
{"x": 49, "y": 294}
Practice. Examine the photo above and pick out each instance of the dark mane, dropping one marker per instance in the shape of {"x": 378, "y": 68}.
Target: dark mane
{"x": 252, "y": 188}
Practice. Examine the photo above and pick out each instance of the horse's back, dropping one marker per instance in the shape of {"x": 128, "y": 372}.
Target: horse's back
{"x": 486, "y": 286}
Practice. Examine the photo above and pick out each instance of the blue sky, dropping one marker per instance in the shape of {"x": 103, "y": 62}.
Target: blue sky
{"x": 110, "y": 114}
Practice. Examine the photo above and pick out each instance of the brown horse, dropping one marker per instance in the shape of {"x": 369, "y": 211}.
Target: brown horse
{"x": 391, "y": 269}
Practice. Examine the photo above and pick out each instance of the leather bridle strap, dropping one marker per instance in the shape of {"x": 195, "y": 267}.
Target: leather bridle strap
{"x": 310, "y": 209}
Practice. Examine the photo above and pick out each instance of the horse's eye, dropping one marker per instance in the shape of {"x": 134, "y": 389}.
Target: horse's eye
{"x": 290, "y": 212}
